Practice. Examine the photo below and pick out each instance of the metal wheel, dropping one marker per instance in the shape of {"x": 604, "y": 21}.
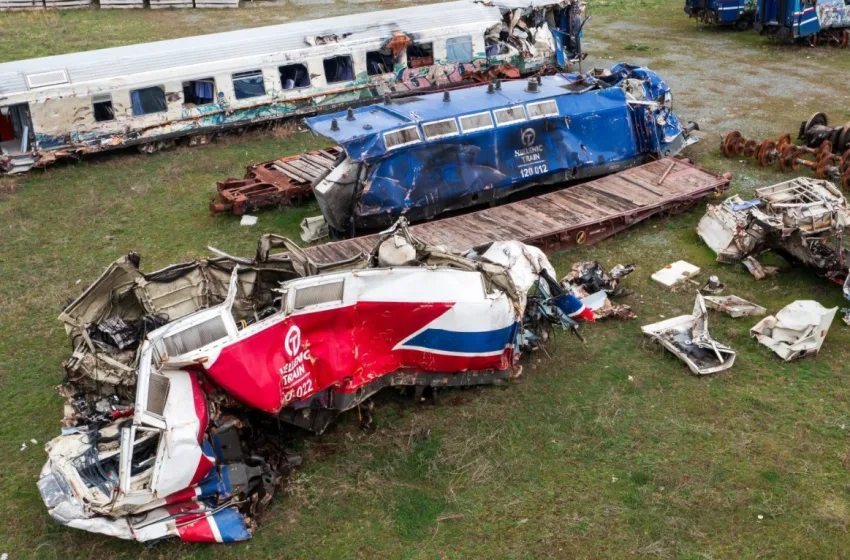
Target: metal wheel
{"x": 815, "y": 120}
{"x": 824, "y": 165}
{"x": 788, "y": 159}
{"x": 766, "y": 153}
{"x": 844, "y": 165}
{"x": 843, "y": 142}
{"x": 845, "y": 180}
{"x": 845, "y": 38}
{"x": 784, "y": 140}
{"x": 750, "y": 148}
{"x": 733, "y": 144}
{"x": 824, "y": 150}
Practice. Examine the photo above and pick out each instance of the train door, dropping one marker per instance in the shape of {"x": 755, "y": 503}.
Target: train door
{"x": 15, "y": 129}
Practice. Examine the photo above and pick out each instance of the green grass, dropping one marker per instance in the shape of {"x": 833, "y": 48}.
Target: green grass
{"x": 609, "y": 449}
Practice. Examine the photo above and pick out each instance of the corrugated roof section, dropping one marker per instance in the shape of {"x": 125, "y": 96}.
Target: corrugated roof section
{"x": 149, "y": 57}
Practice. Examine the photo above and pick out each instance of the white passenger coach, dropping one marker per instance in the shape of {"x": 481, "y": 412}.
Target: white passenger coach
{"x": 151, "y": 94}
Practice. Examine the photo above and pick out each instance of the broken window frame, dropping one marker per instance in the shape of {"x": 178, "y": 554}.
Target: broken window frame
{"x": 421, "y": 61}
{"x": 510, "y": 111}
{"x": 455, "y": 132}
{"x": 280, "y": 70}
{"x": 102, "y": 99}
{"x": 248, "y": 74}
{"x": 402, "y": 131}
{"x": 142, "y": 100}
{"x": 540, "y": 104}
{"x": 477, "y": 128}
{"x": 335, "y": 58}
{"x": 386, "y": 60}
{"x": 190, "y": 84}
{"x": 453, "y": 43}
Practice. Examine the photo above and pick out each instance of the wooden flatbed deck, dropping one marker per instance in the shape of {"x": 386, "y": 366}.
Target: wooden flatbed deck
{"x": 579, "y": 215}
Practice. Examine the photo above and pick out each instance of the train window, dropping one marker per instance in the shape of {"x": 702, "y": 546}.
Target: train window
{"x": 479, "y": 121}
{"x": 379, "y": 62}
{"x": 248, "y": 84}
{"x": 339, "y": 69}
{"x": 459, "y": 49}
{"x": 542, "y": 109}
{"x": 199, "y": 92}
{"x": 440, "y": 129}
{"x": 148, "y": 100}
{"x": 419, "y": 55}
{"x": 509, "y": 115}
{"x": 102, "y": 107}
{"x": 294, "y": 76}
{"x": 403, "y": 137}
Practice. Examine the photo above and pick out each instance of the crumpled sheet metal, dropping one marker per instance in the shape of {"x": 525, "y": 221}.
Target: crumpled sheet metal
{"x": 595, "y": 287}
{"x": 688, "y": 339}
{"x": 798, "y": 330}
{"x": 734, "y": 306}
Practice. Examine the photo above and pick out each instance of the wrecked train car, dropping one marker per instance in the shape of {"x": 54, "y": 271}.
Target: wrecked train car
{"x": 740, "y": 13}
{"x": 149, "y": 95}
{"x": 818, "y": 21}
{"x": 420, "y": 157}
{"x": 175, "y": 372}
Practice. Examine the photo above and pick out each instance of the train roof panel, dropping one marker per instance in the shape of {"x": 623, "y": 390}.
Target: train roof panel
{"x": 189, "y": 51}
{"x": 373, "y": 120}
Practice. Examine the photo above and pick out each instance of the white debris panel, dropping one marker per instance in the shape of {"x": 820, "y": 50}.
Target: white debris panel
{"x": 687, "y": 337}
{"x": 798, "y": 330}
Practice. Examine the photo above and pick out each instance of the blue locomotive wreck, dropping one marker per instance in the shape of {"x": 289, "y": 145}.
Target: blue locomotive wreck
{"x": 740, "y": 13}
{"x": 817, "y": 21}
{"x": 423, "y": 156}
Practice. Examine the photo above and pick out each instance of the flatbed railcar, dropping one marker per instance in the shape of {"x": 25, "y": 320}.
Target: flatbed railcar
{"x": 150, "y": 94}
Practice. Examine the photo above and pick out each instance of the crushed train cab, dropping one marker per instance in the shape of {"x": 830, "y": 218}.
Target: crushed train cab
{"x": 420, "y": 157}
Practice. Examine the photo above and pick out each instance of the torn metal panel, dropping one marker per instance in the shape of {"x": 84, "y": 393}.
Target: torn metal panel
{"x": 734, "y": 306}
{"x": 438, "y": 153}
{"x": 798, "y": 330}
{"x": 673, "y": 274}
{"x": 688, "y": 339}
{"x": 803, "y": 220}
{"x": 169, "y": 439}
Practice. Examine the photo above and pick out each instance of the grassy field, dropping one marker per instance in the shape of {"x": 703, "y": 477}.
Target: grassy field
{"x": 609, "y": 449}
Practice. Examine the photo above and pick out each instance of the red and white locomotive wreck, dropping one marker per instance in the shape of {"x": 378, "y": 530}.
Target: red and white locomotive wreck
{"x": 177, "y": 375}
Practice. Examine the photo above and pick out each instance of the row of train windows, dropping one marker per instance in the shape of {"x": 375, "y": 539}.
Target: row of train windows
{"x": 250, "y": 84}
{"x": 471, "y": 123}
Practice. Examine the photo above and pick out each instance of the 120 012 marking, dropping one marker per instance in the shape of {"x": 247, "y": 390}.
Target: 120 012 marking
{"x": 534, "y": 170}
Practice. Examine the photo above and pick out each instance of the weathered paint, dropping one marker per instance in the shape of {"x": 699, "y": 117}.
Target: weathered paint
{"x": 62, "y": 120}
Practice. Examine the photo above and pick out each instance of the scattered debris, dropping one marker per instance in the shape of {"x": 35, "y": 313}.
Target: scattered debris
{"x": 256, "y": 342}
{"x": 248, "y": 220}
{"x": 758, "y": 270}
{"x": 314, "y": 228}
{"x": 798, "y": 330}
{"x": 803, "y": 220}
{"x": 712, "y": 286}
{"x": 674, "y": 273}
{"x": 589, "y": 282}
{"x": 687, "y": 337}
{"x": 734, "y": 306}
